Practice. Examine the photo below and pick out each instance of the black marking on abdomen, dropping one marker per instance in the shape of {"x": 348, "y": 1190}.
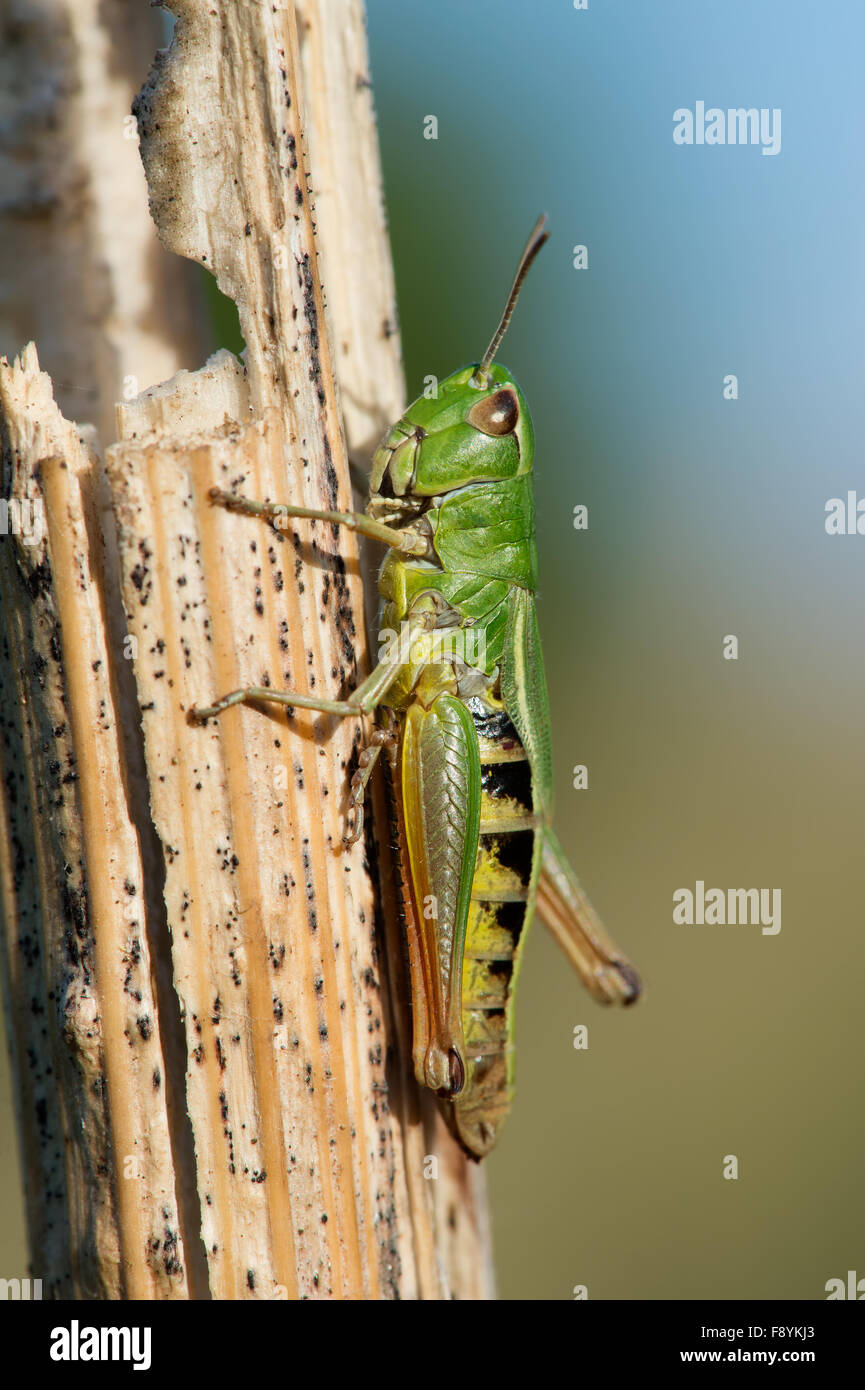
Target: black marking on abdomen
{"x": 511, "y": 917}
{"x": 494, "y": 725}
{"x": 513, "y": 850}
{"x": 512, "y": 780}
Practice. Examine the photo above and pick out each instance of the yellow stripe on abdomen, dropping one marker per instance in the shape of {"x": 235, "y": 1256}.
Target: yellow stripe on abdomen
{"x": 496, "y": 923}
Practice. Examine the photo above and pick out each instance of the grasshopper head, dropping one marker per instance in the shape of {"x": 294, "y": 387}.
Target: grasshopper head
{"x": 475, "y": 428}
{"x": 467, "y": 433}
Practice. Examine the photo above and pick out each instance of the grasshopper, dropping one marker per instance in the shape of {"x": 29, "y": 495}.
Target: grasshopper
{"x": 461, "y": 706}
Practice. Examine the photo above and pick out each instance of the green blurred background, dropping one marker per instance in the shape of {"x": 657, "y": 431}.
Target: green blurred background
{"x": 706, "y": 517}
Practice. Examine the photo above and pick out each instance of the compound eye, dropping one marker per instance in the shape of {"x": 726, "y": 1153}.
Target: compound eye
{"x": 496, "y": 414}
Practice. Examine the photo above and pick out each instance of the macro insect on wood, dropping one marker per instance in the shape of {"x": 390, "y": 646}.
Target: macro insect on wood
{"x": 461, "y": 702}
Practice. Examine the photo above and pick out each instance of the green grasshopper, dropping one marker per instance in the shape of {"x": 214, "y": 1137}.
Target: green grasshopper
{"x": 461, "y": 699}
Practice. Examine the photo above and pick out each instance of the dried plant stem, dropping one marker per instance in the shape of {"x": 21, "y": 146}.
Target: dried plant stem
{"x": 206, "y": 991}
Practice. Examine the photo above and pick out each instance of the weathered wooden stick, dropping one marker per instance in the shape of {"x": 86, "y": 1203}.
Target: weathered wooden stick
{"x": 83, "y": 273}
{"x": 85, "y": 1023}
{"x": 286, "y": 1149}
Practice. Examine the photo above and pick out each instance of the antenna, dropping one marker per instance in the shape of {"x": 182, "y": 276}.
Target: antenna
{"x": 536, "y": 240}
